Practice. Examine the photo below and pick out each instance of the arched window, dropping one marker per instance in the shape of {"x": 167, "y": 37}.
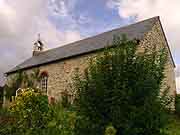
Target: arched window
{"x": 44, "y": 82}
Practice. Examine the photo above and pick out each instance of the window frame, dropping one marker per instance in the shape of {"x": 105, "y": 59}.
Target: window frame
{"x": 44, "y": 82}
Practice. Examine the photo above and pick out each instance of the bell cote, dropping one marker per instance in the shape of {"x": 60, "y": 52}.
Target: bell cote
{"x": 38, "y": 46}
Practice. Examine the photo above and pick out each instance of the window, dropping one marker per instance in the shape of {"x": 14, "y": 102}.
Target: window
{"x": 44, "y": 82}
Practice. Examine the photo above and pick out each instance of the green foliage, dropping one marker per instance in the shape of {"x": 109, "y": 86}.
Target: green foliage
{"x": 65, "y": 102}
{"x": 30, "y": 114}
{"x": 173, "y": 126}
{"x": 22, "y": 80}
{"x": 16, "y": 83}
{"x": 6, "y": 119}
{"x": 1, "y": 96}
{"x": 31, "y": 111}
{"x": 4, "y": 112}
{"x": 122, "y": 87}
{"x": 110, "y": 130}
{"x": 177, "y": 104}
{"x": 62, "y": 120}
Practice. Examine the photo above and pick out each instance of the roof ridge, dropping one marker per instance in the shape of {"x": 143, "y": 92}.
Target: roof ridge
{"x": 155, "y": 17}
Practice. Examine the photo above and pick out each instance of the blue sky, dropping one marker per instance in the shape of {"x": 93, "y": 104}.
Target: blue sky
{"x": 88, "y": 17}
{"x": 63, "y": 21}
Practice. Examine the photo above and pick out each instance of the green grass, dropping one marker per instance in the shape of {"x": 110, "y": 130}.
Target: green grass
{"x": 174, "y": 125}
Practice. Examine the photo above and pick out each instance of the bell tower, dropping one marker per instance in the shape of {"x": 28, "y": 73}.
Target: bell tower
{"x": 38, "y": 46}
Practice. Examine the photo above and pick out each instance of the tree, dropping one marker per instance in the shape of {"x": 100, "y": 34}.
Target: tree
{"x": 122, "y": 87}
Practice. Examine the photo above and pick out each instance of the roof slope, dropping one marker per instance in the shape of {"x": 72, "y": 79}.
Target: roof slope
{"x": 137, "y": 30}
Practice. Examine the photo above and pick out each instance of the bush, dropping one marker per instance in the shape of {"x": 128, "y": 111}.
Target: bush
{"x": 30, "y": 114}
{"x": 62, "y": 120}
{"x": 173, "y": 126}
{"x": 6, "y": 119}
{"x": 110, "y": 130}
{"x": 177, "y": 105}
{"x": 31, "y": 111}
{"x": 123, "y": 87}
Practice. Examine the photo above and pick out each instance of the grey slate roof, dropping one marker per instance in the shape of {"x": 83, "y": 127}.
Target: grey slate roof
{"x": 137, "y": 30}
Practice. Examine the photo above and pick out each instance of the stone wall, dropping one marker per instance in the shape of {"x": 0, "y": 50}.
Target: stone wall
{"x": 61, "y": 73}
{"x": 156, "y": 38}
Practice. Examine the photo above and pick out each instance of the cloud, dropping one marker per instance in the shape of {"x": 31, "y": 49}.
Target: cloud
{"x": 62, "y": 8}
{"x": 84, "y": 19}
{"x": 21, "y": 21}
{"x": 7, "y": 15}
{"x": 58, "y": 7}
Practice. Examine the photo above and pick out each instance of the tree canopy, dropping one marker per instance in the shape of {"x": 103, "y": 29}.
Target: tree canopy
{"x": 122, "y": 87}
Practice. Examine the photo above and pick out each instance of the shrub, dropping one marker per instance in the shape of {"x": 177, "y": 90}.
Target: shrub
{"x": 110, "y": 130}
{"x": 122, "y": 87}
{"x": 6, "y": 119}
{"x": 177, "y": 105}
{"x": 30, "y": 114}
{"x": 1, "y": 96}
{"x": 31, "y": 111}
{"x": 173, "y": 126}
{"x": 62, "y": 120}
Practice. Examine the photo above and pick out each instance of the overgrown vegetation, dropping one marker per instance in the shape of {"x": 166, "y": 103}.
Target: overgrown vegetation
{"x": 118, "y": 94}
{"x": 122, "y": 88}
{"x": 22, "y": 80}
{"x": 1, "y": 95}
{"x": 173, "y": 126}
{"x": 177, "y": 105}
{"x": 62, "y": 120}
{"x": 32, "y": 115}
{"x": 31, "y": 111}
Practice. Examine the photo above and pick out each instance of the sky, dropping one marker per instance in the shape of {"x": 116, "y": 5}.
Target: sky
{"x": 63, "y": 21}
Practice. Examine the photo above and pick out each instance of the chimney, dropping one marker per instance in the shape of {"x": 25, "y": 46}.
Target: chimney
{"x": 38, "y": 46}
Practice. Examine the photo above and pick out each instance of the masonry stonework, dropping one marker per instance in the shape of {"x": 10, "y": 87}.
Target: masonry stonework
{"x": 156, "y": 38}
